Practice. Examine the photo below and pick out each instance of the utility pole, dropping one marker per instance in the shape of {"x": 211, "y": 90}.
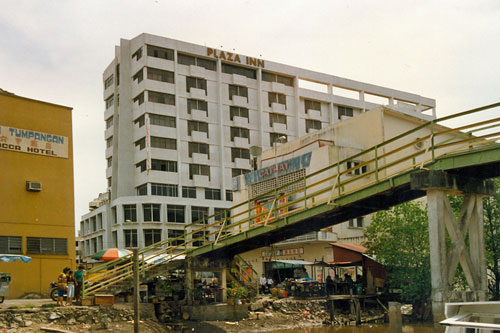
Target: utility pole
{"x": 136, "y": 291}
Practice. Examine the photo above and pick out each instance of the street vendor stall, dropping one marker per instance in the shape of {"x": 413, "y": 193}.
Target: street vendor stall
{"x": 5, "y": 278}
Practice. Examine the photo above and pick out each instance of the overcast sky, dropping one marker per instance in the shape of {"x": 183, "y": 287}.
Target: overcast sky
{"x": 56, "y": 50}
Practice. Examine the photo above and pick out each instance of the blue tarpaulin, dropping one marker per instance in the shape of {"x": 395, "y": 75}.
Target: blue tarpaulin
{"x": 14, "y": 257}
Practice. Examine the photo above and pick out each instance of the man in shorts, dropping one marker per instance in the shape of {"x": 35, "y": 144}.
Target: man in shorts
{"x": 62, "y": 286}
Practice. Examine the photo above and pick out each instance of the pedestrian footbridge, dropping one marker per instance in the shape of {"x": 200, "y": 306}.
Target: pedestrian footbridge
{"x": 447, "y": 154}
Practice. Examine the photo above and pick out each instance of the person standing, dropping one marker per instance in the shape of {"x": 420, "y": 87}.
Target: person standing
{"x": 262, "y": 284}
{"x": 79, "y": 275}
{"x": 270, "y": 283}
{"x": 62, "y": 286}
{"x": 71, "y": 288}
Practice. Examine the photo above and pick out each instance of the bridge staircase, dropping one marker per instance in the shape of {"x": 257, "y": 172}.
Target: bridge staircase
{"x": 328, "y": 196}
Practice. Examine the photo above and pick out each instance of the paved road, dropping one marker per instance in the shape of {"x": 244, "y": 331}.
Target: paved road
{"x": 25, "y": 302}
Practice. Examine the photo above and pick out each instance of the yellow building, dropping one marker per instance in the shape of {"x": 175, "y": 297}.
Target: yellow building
{"x": 36, "y": 197}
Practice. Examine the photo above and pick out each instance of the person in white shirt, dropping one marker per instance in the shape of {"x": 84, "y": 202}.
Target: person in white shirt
{"x": 270, "y": 283}
{"x": 262, "y": 284}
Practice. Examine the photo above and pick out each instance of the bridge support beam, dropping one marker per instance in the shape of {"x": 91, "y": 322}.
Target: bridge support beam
{"x": 442, "y": 219}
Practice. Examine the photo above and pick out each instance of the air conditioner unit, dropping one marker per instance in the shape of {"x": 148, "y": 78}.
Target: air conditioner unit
{"x": 33, "y": 186}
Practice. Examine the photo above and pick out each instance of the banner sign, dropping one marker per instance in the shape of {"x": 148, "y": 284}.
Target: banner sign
{"x": 33, "y": 142}
{"x": 291, "y": 165}
{"x": 282, "y": 252}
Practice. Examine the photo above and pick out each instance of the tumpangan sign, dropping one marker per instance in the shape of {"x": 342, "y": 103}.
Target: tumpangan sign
{"x": 33, "y": 142}
{"x": 294, "y": 164}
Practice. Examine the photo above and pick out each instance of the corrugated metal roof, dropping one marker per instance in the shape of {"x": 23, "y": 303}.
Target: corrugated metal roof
{"x": 352, "y": 247}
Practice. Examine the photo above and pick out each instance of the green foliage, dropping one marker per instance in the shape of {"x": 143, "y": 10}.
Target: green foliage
{"x": 491, "y": 207}
{"x": 399, "y": 239}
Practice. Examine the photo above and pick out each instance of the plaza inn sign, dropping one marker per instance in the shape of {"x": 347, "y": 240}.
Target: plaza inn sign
{"x": 233, "y": 57}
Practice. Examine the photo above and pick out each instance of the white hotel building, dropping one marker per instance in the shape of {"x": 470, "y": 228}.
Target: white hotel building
{"x": 180, "y": 121}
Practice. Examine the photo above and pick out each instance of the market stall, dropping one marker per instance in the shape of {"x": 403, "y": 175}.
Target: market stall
{"x": 5, "y": 278}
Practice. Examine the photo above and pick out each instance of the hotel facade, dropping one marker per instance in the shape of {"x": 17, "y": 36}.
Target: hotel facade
{"x": 37, "y": 203}
{"x": 182, "y": 120}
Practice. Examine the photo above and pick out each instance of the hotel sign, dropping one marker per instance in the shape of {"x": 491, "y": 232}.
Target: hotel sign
{"x": 33, "y": 142}
{"x": 294, "y": 164}
{"x": 229, "y": 56}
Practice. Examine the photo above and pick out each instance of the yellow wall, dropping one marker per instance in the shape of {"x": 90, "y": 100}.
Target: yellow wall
{"x": 48, "y": 213}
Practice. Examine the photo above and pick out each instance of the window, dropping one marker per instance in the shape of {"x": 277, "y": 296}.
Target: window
{"x": 238, "y": 91}
{"x": 160, "y": 75}
{"x": 173, "y": 234}
{"x": 109, "y": 162}
{"x": 198, "y": 147}
{"x": 345, "y": 111}
{"x": 99, "y": 221}
{"x": 159, "y": 120}
{"x": 243, "y": 71}
{"x": 314, "y": 124}
{"x": 160, "y": 52}
{"x": 161, "y": 98}
{"x": 140, "y": 121}
{"x": 229, "y": 195}
{"x": 200, "y": 237}
{"x": 356, "y": 223}
{"x": 94, "y": 223}
{"x": 139, "y": 76}
{"x": 312, "y": 105}
{"x": 236, "y": 172}
{"x": 38, "y": 245}
{"x": 240, "y": 153}
{"x": 100, "y": 243}
{"x": 271, "y": 77}
{"x": 357, "y": 171}
{"x": 139, "y": 98}
{"x": 142, "y": 190}
{"x": 240, "y": 132}
{"x": 194, "y": 82}
{"x": 197, "y": 126}
{"x": 276, "y": 118}
{"x": 130, "y": 236}
{"x": 236, "y": 111}
{"x": 197, "y": 104}
{"x": 114, "y": 236}
{"x": 129, "y": 213}
{"x": 109, "y": 182}
{"x": 189, "y": 192}
{"x": 166, "y": 190}
{"x": 198, "y": 214}
{"x": 141, "y": 143}
{"x": 109, "y": 82}
{"x": 175, "y": 214}
{"x": 137, "y": 54}
{"x": 163, "y": 165}
{"x": 109, "y": 122}
{"x": 275, "y": 137}
{"x": 109, "y": 142}
{"x": 110, "y": 101}
{"x": 163, "y": 143}
{"x": 11, "y": 244}
{"x": 151, "y": 212}
{"x": 115, "y": 216}
{"x": 276, "y": 98}
{"x": 94, "y": 244}
{"x": 220, "y": 214}
{"x": 212, "y": 194}
{"x": 198, "y": 169}
{"x": 152, "y": 236}
{"x": 117, "y": 69}
{"x": 188, "y": 60}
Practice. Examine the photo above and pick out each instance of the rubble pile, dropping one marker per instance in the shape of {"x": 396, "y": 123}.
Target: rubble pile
{"x": 86, "y": 317}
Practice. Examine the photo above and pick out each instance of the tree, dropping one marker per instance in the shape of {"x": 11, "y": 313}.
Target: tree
{"x": 399, "y": 238}
{"x": 491, "y": 207}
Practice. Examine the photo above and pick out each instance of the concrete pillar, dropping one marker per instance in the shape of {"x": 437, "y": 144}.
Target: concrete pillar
{"x": 439, "y": 279}
{"x": 224, "y": 284}
{"x": 189, "y": 281}
{"x": 395, "y": 320}
{"x": 477, "y": 248}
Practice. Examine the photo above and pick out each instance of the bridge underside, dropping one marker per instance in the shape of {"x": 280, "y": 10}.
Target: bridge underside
{"x": 478, "y": 164}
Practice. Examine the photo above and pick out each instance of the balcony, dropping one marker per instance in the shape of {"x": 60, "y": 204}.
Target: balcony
{"x": 197, "y": 71}
{"x": 197, "y": 93}
{"x": 242, "y": 163}
{"x": 239, "y": 80}
{"x": 240, "y": 121}
{"x": 279, "y": 127}
{"x": 241, "y": 142}
{"x": 278, "y": 87}
{"x": 199, "y": 136}
{"x": 201, "y": 181}
{"x": 278, "y": 108}
{"x": 240, "y": 100}
{"x": 314, "y": 114}
{"x": 200, "y": 115}
{"x": 200, "y": 158}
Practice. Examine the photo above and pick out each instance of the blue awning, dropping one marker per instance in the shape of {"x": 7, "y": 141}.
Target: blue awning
{"x": 14, "y": 257}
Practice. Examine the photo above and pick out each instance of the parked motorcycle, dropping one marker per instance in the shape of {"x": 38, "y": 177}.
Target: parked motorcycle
{"x": 53, "y": 291}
